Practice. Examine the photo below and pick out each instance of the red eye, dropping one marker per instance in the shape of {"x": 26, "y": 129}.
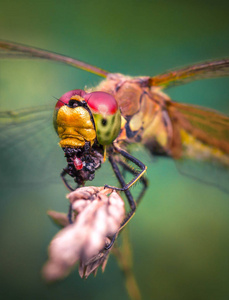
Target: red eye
{"x": 67, "y": 96}
{"x": 101, "y": 102}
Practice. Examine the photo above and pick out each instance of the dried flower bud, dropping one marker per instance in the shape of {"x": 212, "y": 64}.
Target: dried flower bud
{"x": 86, "y": 267}
{"x": 97, "y": 218}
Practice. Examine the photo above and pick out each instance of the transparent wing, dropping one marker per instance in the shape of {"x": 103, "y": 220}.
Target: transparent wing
{"x": 204, "y": 136}
{"x": 13, "y": 50}
{"x": 208, "y": 172}
{"x": 210, "y": 69}
{"x": 208, "y": 125}
{"x": 29, "y": 151}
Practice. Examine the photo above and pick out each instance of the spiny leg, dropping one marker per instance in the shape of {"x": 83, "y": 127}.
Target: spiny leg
{"x": 143, "y": 179}
{"x": 134, "y": 160}
{"x": 63, "y": 174}
{"x": 128, "y": 196}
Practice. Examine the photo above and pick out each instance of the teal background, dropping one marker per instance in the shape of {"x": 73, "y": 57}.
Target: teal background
{"x": 180, "y": 232}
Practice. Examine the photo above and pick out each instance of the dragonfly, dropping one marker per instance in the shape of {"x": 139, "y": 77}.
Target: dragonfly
{"x": 103, "y": 121}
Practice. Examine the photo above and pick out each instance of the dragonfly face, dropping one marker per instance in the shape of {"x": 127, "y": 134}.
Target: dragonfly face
{"x": 85, "y": 123}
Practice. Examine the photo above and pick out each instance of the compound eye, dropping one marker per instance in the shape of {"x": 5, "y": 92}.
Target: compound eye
{"x": 101, "y": 103}
{"x": 66, "y": 98}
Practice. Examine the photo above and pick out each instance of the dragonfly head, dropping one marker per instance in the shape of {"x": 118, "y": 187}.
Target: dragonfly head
{"x": 74, "y": 121}
{"x": 85, "y": 124}
{"x": 82, "y": 117}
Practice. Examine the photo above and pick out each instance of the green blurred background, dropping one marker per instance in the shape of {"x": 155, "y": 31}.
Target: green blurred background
{"x": 180, "y": 233}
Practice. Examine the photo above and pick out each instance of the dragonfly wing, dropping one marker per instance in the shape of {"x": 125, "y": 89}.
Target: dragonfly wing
{"x": 204, "y": 138}
{"x": 29, "y": 151}
{"x": 214, "y": 174}
{"x": 13, "y": 50}
{"x": 210, "y": 69}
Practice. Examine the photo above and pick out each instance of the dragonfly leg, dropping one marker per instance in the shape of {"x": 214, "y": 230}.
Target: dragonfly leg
{"x": 122, "y": 182}
{"x": 68, "y": 186}
{"x": 111, "y": 243}
{"x": 63, "y": 174}
{"x": 134, "y": 160}
{"x": 128, "y": 196}
{"x": 70, "y": 214}
{"x": 143, "y": 179}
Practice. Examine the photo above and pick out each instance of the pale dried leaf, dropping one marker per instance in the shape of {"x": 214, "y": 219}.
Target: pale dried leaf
{"x": 58, "y": 218}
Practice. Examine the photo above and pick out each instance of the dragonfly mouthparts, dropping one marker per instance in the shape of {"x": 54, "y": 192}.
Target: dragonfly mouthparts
{"x": 83, "y": 162}
{"x": 73, "y": 141}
